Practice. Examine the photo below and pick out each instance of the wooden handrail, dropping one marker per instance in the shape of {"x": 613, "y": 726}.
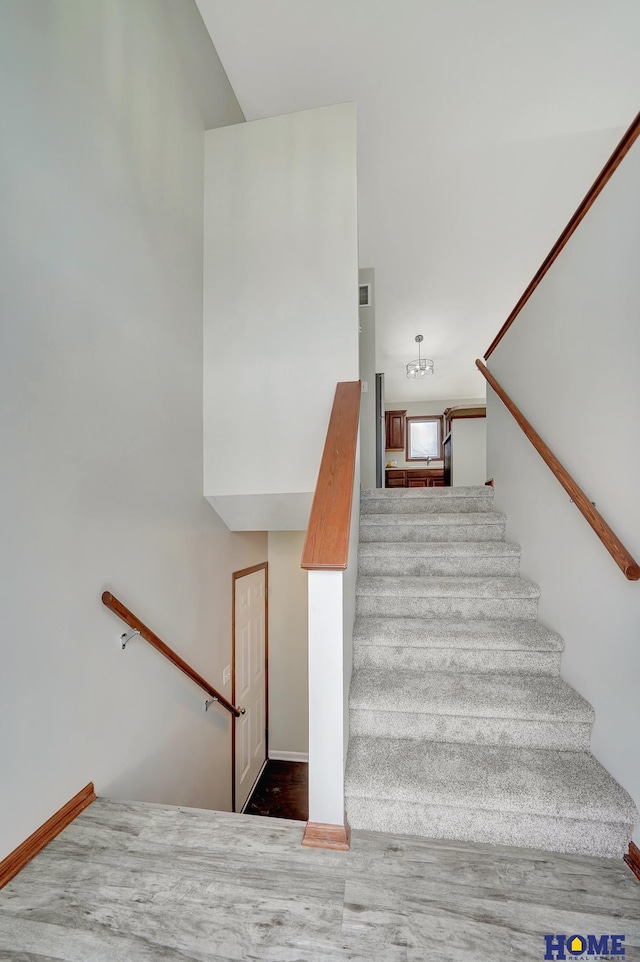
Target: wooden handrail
{"x": 628, "y": 140}
{"x": 130, "y": 619}
{"x": 612, "y": 543}
{"x": 326, "y": 547}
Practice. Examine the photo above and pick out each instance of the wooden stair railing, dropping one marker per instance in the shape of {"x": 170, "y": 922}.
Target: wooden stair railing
{"x": 326, "y": 547}
{"x": 130, "y": 619}
{"x": 628, "y": 140}
{"x": 612, "y": 543}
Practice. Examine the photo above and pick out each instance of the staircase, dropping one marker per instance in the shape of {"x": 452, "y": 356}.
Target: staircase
{"x": 460, "y": 725}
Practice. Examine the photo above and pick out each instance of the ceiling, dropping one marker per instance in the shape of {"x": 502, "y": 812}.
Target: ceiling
{"x": 481, "y": 124}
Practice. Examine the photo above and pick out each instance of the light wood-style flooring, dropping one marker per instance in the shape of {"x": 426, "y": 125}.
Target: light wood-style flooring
{"x": 142, "y": 883}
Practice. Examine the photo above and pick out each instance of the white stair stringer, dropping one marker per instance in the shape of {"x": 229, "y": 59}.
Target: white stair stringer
{"x": 460, "y": 725}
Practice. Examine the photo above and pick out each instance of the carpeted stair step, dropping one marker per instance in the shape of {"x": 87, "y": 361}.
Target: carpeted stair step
{"x": 534, "y": 711}
{"x": 555, "y": 800}
{"x": 439, "y": 558}
{"x": 425, "y": 500}
{"x": 460, "y": 526}
{"x": 449, "y": 644}
{"x": 460, "y": 725}
{"x": 462, "y": 597}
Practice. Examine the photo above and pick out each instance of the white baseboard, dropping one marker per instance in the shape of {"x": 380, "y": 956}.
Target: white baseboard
{"x": 288, "y": 756}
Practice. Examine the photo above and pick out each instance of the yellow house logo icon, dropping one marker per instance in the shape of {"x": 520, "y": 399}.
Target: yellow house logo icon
{"x": 577, "y": 944}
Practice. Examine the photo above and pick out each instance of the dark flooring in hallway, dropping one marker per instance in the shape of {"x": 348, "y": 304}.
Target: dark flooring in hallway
{"x": 282, "y": 791}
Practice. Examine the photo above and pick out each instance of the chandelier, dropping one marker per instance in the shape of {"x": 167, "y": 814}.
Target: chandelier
{"x": 421, "y": 366}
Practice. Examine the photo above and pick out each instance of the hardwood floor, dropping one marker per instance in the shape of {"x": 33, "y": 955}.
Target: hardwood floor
{"x": 143, "y": 883}
{"x": 282, "y": 791}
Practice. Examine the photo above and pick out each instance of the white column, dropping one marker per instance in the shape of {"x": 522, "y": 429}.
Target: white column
{"x": 326, "y": 688}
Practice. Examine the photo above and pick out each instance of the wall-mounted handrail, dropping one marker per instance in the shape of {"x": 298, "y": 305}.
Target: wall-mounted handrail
{"x": 628, "y": 140}
{"x": 326, "y": 547}
{"x": 612, "y": 543}
{"x": 130, "y": 619}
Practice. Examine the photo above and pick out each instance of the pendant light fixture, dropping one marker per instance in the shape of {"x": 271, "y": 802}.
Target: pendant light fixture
{"x": 422, "y": 365}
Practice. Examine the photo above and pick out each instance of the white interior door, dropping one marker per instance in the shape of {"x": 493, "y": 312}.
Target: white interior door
{"x": 250, "y": 682}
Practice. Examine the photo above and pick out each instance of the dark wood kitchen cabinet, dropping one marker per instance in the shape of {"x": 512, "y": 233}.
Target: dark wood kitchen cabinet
{"x": 414, "y": 477}
{"x": 395, "y": 430}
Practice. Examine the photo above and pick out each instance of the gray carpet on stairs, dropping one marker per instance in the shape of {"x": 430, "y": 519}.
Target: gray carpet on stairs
{"x": 460, "y": 724}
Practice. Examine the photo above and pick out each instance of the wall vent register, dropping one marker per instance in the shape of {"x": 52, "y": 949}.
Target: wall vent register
{"x": 364, "y": 295}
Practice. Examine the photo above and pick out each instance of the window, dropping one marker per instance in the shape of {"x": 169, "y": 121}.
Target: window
{"x": 424, "y": 438}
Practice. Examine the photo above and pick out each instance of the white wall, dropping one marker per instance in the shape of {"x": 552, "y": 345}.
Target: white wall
{"x": 326, "y": 700}
{"x": 469, "y": 451}
{"x": 104, "y": 106}
{"x": 570, "y": 362}
{"x": 288, "y": 662}
{"x": 417, "y": 408}
{"x": 367, "y": 318}
{"x": 280, "y": 307}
